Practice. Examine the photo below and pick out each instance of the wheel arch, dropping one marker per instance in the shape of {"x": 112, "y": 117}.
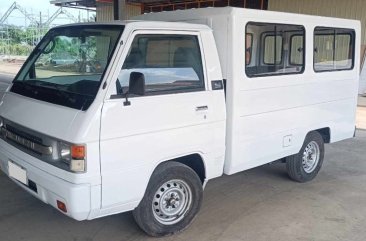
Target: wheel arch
{"x": 195, "y": 161}
{"x": 192, "y": 160}
{"x": 325, "y": 133}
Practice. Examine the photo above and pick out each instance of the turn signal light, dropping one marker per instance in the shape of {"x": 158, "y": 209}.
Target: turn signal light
{"x": 61, "y": 206}
{"x": 77, "y": 165}
{"x": 77, "y": 152}
{"x": 73, "y": 155}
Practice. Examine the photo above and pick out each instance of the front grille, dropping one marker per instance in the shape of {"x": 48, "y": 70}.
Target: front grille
{"x": 25, "y": 141}
{"x": 42, "y": 147}
{"x": 23, "y": 134}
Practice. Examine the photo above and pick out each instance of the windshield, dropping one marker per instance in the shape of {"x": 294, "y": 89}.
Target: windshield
{"x": 68, "y": 65}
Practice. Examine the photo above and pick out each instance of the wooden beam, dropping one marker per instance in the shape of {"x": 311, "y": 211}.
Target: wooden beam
{"x": 142, "y": 7}
{"x": 116, "y": 9}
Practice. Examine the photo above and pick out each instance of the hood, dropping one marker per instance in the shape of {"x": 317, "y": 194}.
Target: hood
{"x": 43, "y": 117}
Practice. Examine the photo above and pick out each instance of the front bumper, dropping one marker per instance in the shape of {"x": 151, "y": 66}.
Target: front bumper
{"x": 48, "y": 187}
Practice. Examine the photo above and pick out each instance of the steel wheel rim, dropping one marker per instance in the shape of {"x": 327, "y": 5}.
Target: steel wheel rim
{"x": 310, "y": 157}
{"x": 171, "y": 202}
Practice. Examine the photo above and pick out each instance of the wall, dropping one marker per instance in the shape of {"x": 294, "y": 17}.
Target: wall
{"x": 352, "y": 9}
{"x": 126, "y": 11}
{"x": 104, "y": 12}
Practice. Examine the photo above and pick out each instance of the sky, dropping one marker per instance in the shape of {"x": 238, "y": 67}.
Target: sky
{"x": 35, "y": 7}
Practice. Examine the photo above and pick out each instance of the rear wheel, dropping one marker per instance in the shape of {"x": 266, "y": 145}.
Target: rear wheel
{"x": 305, "y": 165}
{"x": 172, "y": 200}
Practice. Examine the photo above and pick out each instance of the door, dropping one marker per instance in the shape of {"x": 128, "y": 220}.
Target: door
{"x": 171, "y": 118}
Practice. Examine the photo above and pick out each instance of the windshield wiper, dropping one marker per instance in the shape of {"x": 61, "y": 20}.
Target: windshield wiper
{"x": 56, "y": 87}
{"x": 26, "y": 85}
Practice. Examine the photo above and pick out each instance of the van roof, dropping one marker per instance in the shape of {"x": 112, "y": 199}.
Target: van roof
{"x": 249, "y": 13}
{"x": 144, "y": 24}
{"x": 176, "y": 19}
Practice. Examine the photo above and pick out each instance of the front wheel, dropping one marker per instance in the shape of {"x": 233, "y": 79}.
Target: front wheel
{"x": 305, "y": 165}
{"x": 172, "y": 200}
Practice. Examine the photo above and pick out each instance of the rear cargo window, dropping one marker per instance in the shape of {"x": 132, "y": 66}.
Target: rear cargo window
{"x": 170, "y": 64}
{"x": 276, "y": 49}
{"x": 272, "y": 54}
{"x": 333, "y": 49}
{"x": 297, "y": 50}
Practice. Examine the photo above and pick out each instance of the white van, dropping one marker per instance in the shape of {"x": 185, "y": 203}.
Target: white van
{"x": 147, "y": 112}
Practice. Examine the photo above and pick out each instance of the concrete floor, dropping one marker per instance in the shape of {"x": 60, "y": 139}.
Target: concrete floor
{"x": 361, "y": 118}
{"x": 257, "y": 205}
{"x": 361, "y": 113}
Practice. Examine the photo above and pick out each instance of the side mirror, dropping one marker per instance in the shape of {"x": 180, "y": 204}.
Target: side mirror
{"x": 136, "y": 86}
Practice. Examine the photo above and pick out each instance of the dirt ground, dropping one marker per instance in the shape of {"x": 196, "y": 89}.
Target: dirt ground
{"x": 9, "y": 68}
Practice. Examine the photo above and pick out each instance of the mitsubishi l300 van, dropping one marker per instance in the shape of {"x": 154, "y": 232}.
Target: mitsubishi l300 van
{"x": 148, "y": 111}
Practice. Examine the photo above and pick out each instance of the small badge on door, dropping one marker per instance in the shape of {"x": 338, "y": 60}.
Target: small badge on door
{"x": 217, "y": 85}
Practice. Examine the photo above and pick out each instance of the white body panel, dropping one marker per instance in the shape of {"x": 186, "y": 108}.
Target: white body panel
{"x": 258, "y": 121}
{"x": 262, "y": 111}
{"x": 163, "y": 126}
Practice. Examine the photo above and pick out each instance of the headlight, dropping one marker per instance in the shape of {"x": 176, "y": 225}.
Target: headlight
{"x": 65, "y": 152}
{"x": 74, "y": 156}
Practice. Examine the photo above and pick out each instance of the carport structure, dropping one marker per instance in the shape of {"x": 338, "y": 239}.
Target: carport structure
{"x": 124, "y": 9}
{"x": 159, "y": 6}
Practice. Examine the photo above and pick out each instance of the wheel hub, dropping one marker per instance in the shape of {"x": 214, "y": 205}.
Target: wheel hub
{"x": 311, "y": 157}
{"x": 171, "y": 202}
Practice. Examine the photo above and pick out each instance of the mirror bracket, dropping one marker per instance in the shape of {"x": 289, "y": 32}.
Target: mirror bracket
{"x": 136, "y": 88}
{"x": 126, "y": 102}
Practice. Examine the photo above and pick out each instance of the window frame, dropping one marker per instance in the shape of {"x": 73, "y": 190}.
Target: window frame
{"x": 260, "y": 50}
{"x": 251, "y": 47}
{"x": 351, "y": 32}
{"x": 197, "y": 39}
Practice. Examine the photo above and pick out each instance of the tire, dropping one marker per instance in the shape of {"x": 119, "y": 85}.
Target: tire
{"x": 171, "y": 202}
{"x": 305, "y": 165}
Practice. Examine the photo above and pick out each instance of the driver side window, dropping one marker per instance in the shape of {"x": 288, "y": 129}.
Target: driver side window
{"x": 169, "y": 63}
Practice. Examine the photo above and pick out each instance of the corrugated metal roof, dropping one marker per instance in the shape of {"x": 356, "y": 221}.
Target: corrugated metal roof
{"x": 76, "y": 3}
{"x": 158, "y": 1}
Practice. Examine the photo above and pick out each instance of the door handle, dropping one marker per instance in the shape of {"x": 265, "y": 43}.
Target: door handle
{"x": 202, "y": 108}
